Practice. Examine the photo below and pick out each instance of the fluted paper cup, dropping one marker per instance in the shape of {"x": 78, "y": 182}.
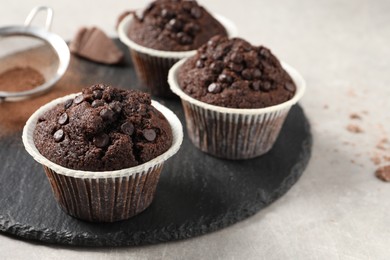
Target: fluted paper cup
{"x": 106, "y": 196}
{"x": 152, "y": 65}
{"x": 234, "y": 133}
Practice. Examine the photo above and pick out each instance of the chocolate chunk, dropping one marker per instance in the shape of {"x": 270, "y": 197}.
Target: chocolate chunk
{"x": 216, "y": 67}
{"x": 115, "y": 106}
{"x": 191, "y": 28}
{"x": 165, "y": 13}
{"x": 97, "y": 94}
{"x": 199, "y": 64}
{"x": 63, "y": 119}
{"x": 58, "y": 135}
{"x": 251, "y": 59}
{"x": 121, "y": 17}
{"x": 127, "y": 128}
{"x": 236, "y": 57}
{"x": 256, "y": 73}
{"x": 217, "y": 55}
{"x": 203, "y": 56}
{"x": 149, "y": 134}
{"x": 214, "y": 88}
{"x": 264, "y": 52}
{"x": 266, "y": 86}
{"x": 196, "y": 12}
{"x": 256, "y": 85}
{"x": 101, "y": 86}
{"x": 78, "y": 99}
{"x": 186, "y": 5}
{"x": 101, "y": 140}
{"x": 97, "y": 103}
{"x": 225, "y": 78}
{"x": 184, "y": 38}
{"x": 175, "y": 25}
{"x": 236, "y": 84}
{"x": 107, "y": 114}
{"x": 68, "y": 103}
{"x": 289, "y": 86}
{"x": 93, "y": 44}
{"x": 235, "y": 67}
{"x": 247, "y": 74}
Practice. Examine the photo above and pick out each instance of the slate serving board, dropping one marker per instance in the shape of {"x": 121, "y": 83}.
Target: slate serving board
{"x": 197, "y": 193}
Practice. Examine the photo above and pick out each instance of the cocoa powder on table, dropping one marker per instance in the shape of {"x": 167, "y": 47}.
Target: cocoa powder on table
{"x": 13, "y": 115}
{"x": 20, "y": 79}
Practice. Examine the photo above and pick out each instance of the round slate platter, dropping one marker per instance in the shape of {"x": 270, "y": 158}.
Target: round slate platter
{"x": 197, "y": 193}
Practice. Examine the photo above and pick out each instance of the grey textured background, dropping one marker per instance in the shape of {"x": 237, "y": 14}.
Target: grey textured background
{"x": 338, "y": 209}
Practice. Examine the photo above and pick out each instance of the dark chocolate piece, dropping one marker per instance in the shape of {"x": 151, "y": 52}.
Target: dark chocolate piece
{"x": 58, "y": 135}
{"x": 93, "y": 44}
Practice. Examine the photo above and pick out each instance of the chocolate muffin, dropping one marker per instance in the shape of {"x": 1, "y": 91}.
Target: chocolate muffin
{"x": 232, "y": 73}
{"x": 174, "y": 25}
{"x": 103, "y": 129}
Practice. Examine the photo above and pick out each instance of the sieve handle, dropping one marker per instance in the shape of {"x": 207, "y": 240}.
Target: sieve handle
{"x": 33, "y": 13}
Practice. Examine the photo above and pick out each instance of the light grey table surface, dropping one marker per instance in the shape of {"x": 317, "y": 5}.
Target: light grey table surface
{"x": 338, "y": 209}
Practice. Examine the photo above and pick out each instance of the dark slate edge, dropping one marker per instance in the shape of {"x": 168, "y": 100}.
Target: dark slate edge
{"x": 171, "y": 232}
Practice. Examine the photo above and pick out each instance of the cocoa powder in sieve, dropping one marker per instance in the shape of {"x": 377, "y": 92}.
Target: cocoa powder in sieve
{"x": 20, "y": 79}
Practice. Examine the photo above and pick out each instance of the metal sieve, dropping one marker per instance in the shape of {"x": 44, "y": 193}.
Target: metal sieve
{"x": 36, "y": 47}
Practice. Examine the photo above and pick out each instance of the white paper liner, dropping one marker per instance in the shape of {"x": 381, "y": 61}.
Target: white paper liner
{"x": 230, "y": 132}
{"x": 28, "y": 131}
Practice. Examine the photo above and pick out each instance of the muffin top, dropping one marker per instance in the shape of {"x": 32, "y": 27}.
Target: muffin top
{"x": 233, "y": 73}
{"x": 174, "y": 25}
{"x": 103, "y": 129}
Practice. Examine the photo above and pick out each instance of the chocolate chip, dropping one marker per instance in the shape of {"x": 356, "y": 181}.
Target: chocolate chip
{"x": 127, "y": 128}
{"x": 214, "y": 88}
{"x": 175, "y": 25}
{"x": 196, "y": 12}
{"x": 217, "y": 55}
{"x": 256, "y": 73}
{"x": 264, "y": 52}
{"x": 191, "y": 28}
{"x": 149, "y": 134}
{"x": 186, "y": 6}
{"x": 184, "y": 38}
{"x": 68, "y": 103}
{"x": 289, "y": 86}
{"x": 63, "y": 119}
{"x": 256, "y": 85}
{"x": 79, "y": 99}
{"x": 101, "y": 86}
{"x": 115, "y": 106}
{"x": 58, "y": 135}
{"x": 266, "y": 86}
{"x": 236, "y": 57}
{"x": 235, "y": 67}
{"x": 107, "y": 114}
{"x": 167, "y": 13}
{"x": 101, "y": 140}
{"x": 225, "y": 78}
{"x": 216, "y": 67}
{"x": 199, "y": 64}
{"x": 203, "y": 56}
{"x": 97, "y": 94}
{"x": 236, "y": 85}
{"x": 97, "y": 103}
{"x": 247, "y": 74}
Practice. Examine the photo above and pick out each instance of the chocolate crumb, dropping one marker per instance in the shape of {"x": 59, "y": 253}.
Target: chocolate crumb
{"x": 354, "y": 129}
{"x": 383, "y": 173}
{"x": 355, "y": 116}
